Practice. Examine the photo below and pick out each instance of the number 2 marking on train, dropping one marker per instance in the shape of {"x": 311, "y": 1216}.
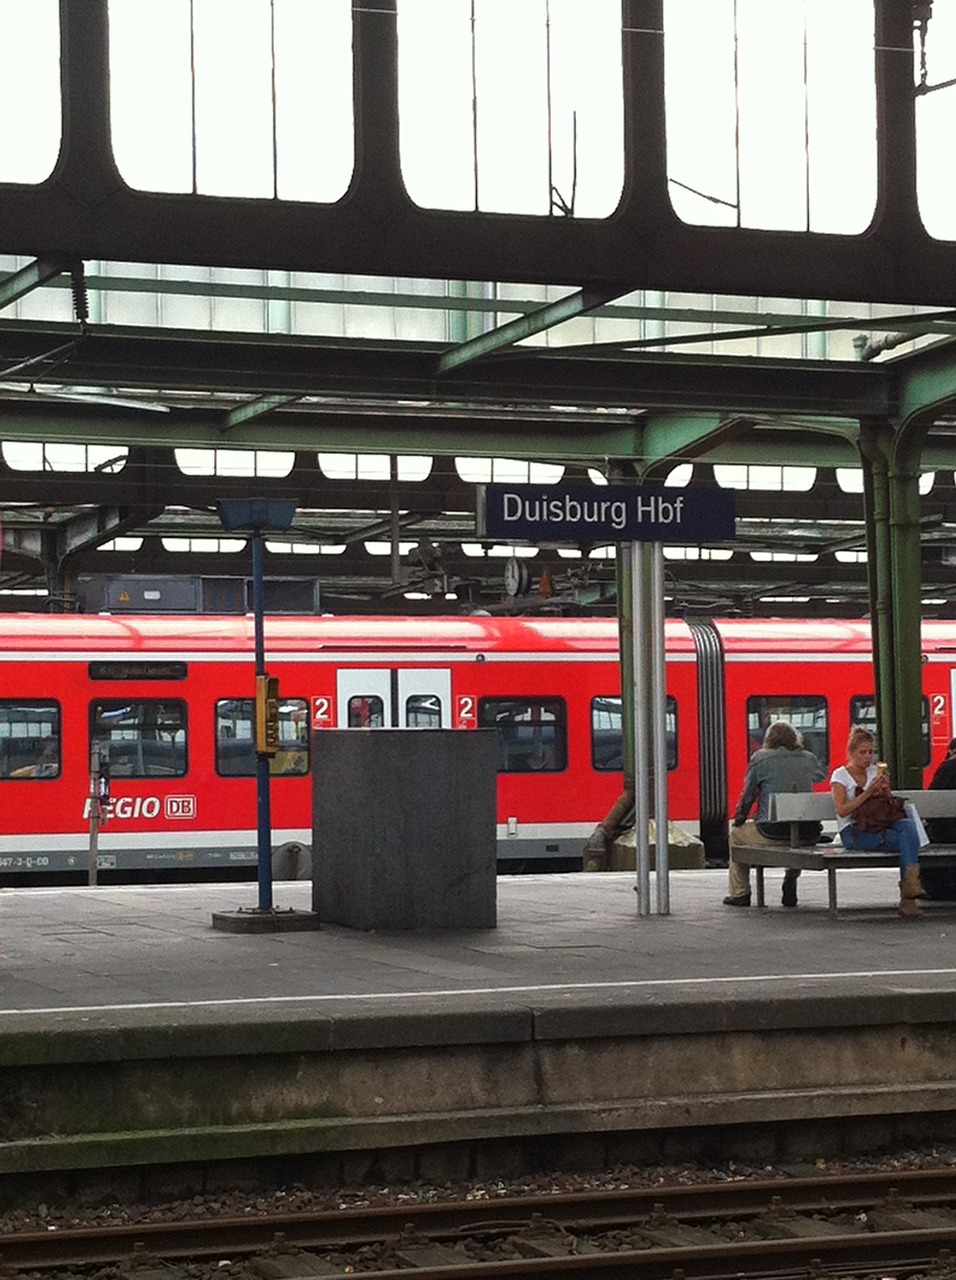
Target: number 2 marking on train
{"x": 939, "y": 704}
{"x": 465, "y": 713}
{"x": 321, "y": 713}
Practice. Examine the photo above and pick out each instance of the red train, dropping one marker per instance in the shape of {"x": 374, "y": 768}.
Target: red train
{"x": 170, "y": 702}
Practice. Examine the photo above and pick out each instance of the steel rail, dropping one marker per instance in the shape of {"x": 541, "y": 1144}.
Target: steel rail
{"x": 587, "y": 1211}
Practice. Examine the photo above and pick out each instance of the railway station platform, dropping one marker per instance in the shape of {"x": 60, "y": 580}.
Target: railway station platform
{"x": 134, "y": 1033}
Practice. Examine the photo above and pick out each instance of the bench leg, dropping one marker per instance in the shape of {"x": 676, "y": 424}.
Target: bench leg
{"x": 761, "y": 901}
{"x": 832, "y": 892}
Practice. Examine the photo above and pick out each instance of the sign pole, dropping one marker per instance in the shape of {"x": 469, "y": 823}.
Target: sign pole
{"x": 639, "y": 694}
{"x": 263, "y": 806}
{"x": 258, "y": 515}
{"x": 659, "y": 723}
{"x": 640, "y": 519}
{"x": 95, "y": 811}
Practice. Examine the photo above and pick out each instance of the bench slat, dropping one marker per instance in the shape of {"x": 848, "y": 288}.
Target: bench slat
{"x": 817, "y": 806}
{"x": 821, "y": 857}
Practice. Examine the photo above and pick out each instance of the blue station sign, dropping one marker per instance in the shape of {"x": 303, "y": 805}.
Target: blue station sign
{"x": 607, "y": 513}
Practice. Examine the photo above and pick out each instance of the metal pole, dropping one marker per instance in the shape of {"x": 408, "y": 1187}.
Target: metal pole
{"x": 639, "y": 694}
{"x": 659, "y": 723}
{"x": 263, "y": 814}
{"x": 94, "y": 813}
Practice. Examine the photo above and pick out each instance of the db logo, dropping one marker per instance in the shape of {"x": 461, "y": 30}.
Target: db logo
{"x": 180, "y": 807}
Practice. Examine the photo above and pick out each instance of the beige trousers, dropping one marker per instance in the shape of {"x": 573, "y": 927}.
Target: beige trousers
{"x": 738, "y": 875}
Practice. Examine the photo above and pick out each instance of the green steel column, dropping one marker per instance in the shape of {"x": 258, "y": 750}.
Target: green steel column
{"x": 874, "y": 444}
{"x": 906, "y": 584}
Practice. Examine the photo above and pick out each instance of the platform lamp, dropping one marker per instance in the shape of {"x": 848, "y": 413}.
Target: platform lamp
{"x": 257, "y": 515}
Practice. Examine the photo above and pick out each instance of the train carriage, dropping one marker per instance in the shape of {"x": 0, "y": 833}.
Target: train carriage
{"x": 168, "y": 702}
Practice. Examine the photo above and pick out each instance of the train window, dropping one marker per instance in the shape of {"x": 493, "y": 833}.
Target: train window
{"x": 863, "y": 713}
{"x": 235, "y": 738}
{"x": 532, "y": 733}
{"x": 806, "y": 712}
{"x": 607, "y": 742}
{"x": 29, "y": 740}
{"x": 366, "y": 711}
{"x": 142, "y": 737}
{"x": 423, "y": 711}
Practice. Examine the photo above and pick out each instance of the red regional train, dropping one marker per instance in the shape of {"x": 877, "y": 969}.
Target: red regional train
{"x": 170, "y": 702}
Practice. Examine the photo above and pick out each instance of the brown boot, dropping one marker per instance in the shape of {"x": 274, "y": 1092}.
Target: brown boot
{"x": 910, "y": 886}
{"x": 909, "y": 907}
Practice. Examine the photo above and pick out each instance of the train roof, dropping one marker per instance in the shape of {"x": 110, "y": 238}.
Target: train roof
{"x": 754, "y": 636}
{"x": 204, "y": 634}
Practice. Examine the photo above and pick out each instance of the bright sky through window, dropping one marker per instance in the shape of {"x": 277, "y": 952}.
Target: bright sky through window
{"x": 936, "y": 123}
{"x": 770, "y": 108}
{"x": 535, "y": 88}
{"x": 29, "y": 90}
{"x": 218, "y": 130}
{"x": 771, "y": 113}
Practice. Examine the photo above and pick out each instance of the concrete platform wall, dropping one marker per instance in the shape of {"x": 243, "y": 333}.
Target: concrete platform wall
{"x": 124, "y": 1093}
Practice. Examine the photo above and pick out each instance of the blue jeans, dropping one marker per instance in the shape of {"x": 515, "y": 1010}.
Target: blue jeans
{"x": 902, "y": 837}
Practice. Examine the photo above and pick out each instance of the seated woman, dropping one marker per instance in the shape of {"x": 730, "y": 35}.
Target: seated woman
{"x": 852, "y": 785}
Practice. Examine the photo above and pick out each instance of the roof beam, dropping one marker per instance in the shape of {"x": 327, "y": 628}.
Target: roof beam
{"x": 561, "y": 439}
{"x": 683, "y": 437}
{"x": 927, "y": 382}
{"x": 19, "y": 283}
{"x": 272, "y": 364}
{"x": 254, "y": 409}
{"x": 941, "y": 322}
{"x": 575, "y": 304}
{"x": 90, "y": 529}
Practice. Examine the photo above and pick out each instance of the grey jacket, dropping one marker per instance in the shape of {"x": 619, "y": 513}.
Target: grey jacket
{"x": 772, "y": 772}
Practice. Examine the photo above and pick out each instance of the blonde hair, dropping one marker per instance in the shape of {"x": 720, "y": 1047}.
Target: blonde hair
{"x": 858, "y": 738}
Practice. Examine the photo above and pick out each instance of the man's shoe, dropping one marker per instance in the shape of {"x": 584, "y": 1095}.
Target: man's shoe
{"x": 789, "y": 895}
{"x": 738, "y": 902}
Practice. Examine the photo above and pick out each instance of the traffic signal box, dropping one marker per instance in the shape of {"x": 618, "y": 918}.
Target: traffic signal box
{"x": 267, "y": 715}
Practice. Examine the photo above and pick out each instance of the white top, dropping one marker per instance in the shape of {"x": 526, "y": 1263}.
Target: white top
{"x": 846, "y": 779}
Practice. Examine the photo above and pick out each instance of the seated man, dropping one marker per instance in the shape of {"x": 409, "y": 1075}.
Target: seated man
{"x": 781, "y": 765}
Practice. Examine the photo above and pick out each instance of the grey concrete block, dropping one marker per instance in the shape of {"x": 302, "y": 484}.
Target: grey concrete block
{"x": 404, "y": 828}
{"x": 472, "y": 1022}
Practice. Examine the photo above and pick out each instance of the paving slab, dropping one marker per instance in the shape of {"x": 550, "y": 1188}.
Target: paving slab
{"x": 560, "y": 941}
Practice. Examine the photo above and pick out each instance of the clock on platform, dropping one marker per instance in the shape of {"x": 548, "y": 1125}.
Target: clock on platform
{"x": 517, "y": 577}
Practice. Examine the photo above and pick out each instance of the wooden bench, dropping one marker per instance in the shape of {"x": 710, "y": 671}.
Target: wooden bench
{"x": 817, "y": 806}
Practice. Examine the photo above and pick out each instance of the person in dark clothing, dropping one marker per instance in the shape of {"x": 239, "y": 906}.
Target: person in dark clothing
{"x": 940, "y": 882}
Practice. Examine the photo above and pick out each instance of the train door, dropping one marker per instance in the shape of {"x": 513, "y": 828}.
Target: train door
{"x": 394, "y": 697}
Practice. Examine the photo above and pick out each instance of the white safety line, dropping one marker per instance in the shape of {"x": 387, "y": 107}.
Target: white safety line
{"x": 635, "y": 985}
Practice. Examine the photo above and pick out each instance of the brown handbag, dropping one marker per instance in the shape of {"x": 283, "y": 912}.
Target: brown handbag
{"x": 878, "y": 812}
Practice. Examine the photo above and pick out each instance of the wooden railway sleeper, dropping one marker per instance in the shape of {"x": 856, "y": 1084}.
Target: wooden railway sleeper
{"x": 906, "y": 1219}
{"x": 432, "y": 1255}
{"x": 292, "y": 1266}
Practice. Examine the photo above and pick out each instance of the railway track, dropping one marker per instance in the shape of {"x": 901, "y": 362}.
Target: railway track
{"x": 847, "y": 1225}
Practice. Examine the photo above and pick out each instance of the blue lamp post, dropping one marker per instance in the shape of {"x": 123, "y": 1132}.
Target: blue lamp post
{"x": 257, "y": 515}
